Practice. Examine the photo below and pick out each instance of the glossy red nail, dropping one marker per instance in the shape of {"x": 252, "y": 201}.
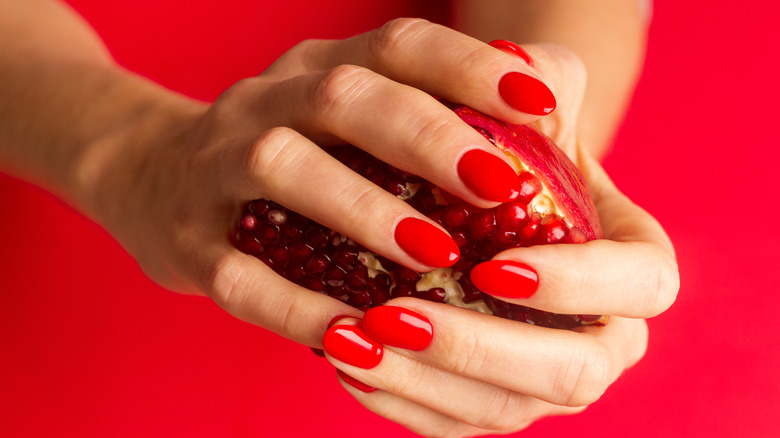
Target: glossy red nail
{"x": 514, "y": 49}
{"x": 338, "y": 318}
{"x": 351, "y": 345}
{"x": 354, "y": 382}
{"x": 527, "y": 94}
{"x": 398, "y": 327}
{"x": 426, "y": 243}
{"x": 488, "y": 176}
{"x": 506, "y": 279}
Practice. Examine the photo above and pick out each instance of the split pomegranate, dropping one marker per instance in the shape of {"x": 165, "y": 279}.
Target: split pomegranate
{"x": 553, "y": 207}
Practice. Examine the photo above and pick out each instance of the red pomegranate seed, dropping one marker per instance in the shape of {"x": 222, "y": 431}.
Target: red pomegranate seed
{"x": 505, "y": 239}
{"x": 318, "y": 237}
{"x": 455, "y": 216}
{"x": 530, "y": 186}
{"x": 279, "y": 256}
{"x": 268, "y": 234}
{"x": 345, "y": 255}
{"x": 407, "y": 276}
{"x": 248, "y": 222}
{"x": 300, "y": 251}
{"x": 247, "y": 243}
{"x": 436, "y": 294}
{"x": 553, "y": 229}
{"x": 314, "y": 284}
{"x": 402, "y": 290}
{"x": 482, "y": 225}
{"x": 357, "y": 279}
{"x": 512, "y": 215}
{"x": 259, "y": 207}
{"x": 316, "y": 265}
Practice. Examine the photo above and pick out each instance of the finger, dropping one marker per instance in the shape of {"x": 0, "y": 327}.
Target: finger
{"x": 249, "y": 290}
{"x": 395, "y": 123}
{"x": 557, "y": 366}
{"x": 283, "y": 165}
{"x": 438, "y": 60}
{"x": 631, "y": 273}
{"x": 466, "y": 400}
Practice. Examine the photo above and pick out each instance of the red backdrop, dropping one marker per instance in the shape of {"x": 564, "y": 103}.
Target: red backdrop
{"x": 90, "y": 347}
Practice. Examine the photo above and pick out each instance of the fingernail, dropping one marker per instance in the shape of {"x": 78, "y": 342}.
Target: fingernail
{"x": 527, "y": 94}
{"x": 351, "y": 345}
{"x": 489, "y": 176}
{"x": 355, "y": 382}
{"x": 398, "y": 327}
{"x": 514, "y": 49}
{"x": 504, "y": 278}
{"x": 426, "y": 243}
{"x": 338, "y": 318}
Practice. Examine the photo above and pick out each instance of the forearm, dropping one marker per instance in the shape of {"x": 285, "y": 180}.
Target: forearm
{"x": 62, "y": 98}
{"x": 608, "y": 35}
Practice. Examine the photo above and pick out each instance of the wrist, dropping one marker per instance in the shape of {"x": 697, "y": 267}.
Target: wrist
{"x": 146, "y": 119}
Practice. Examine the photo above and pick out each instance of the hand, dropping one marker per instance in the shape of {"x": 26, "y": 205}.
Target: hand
{"x": 172, "y": 186}
{"x": 445, "y": 371}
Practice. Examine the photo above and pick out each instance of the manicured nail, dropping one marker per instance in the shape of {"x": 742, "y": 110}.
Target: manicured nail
{"x": 426, "y": 243}
{"x": 514, "y": 49}
{"x": 489, "y": 176}
{"x": 504, "y": 278}
{"x": 350, "y": 344}
{"x": 398, "y": 327}
{"x": 355, "y": 382}
{"x": 338, "y": 318}
{"x": 527, "y": 94}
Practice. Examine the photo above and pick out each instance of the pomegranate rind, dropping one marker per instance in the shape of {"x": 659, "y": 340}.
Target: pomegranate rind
{"x": 538, "y": 154}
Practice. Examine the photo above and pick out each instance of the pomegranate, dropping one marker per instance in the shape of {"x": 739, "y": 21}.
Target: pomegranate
{"x": 553, "y": 207}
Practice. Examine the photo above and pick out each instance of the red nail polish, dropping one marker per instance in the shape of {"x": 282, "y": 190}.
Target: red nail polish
{"x": 489, "y": 176}
{"x": 337, "y": 318}
{"x": 399, "y": 327}
{"x": 527, "y": 94}
{"x": 355, "y": 382}
{"x": 426, "y": 243}
{"x": 352, "y": 345}
{"x": 514, "y": 49}
{"x": 504, "y": 278}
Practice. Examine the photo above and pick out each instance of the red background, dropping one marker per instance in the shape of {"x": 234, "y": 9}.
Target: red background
{"x": 89, "y": 347}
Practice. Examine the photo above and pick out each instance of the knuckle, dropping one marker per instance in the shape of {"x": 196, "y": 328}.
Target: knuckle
{"x": 396, "y": 34}
{"x": 223, "y": 283}
{"x": 468, "y": 355}
{"x": 504, "y": 413}
{"x": 664, "y": 287}
{"x": 583, "y": 378}
{"x": 271, "y": 154}
{"x": 339, "y": 87}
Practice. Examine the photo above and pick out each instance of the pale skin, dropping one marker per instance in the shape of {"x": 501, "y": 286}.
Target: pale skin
{"x": 78, "y": 125}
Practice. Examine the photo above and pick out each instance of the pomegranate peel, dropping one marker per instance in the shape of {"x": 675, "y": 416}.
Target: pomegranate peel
{"x": 552, "y": 206}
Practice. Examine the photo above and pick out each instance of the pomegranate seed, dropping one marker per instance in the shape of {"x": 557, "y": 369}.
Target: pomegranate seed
{"x": 291, "y": 233}
{"x": 279, "y": 256}
{"x": 357, "y": 279}
{"x": 300, "y": 251}
{"x": 455, "y": 216}
{"x": 269, "y": 234}
{"x": 316, "y": 265}
{"x": 403, "y": 290}
{"x": 278, "y": 217}
{"x": 295, "y": 273}
{"x": 314, "y": 284}
{"x": 345, "y": 255}
{"x": 505, "y": 239}
{"x": 259, "y": 207}
{"x": 530, "y": 186}
{"x": 436, "y": 294}
{"x": 318, "y": 237}
{"x": 553, "y": 229}
{"x": 248, "y": 222}
{"x": 482, "y": 225}
{"x": 512, "y": 215}
{"x": 460, "y": 239}
{"x": 247, "y": 243}
{"x": 407, "y": 276}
